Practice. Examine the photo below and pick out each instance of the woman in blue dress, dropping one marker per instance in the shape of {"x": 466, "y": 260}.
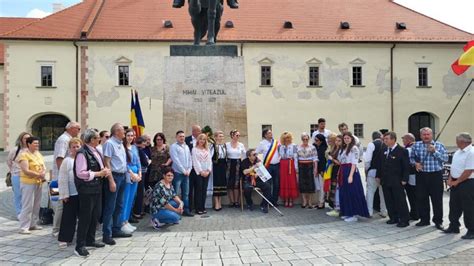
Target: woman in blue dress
{"x": 351, "y": 196}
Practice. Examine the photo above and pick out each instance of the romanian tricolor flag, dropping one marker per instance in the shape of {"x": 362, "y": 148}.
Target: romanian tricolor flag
{"x": 465, "y": 60}
{"x": 136, "y": 117}
{"x": 271, "y": 152}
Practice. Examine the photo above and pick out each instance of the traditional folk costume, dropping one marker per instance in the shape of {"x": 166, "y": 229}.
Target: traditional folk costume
{"x": 351, "y": 196}
{"x": 288, "y": 166}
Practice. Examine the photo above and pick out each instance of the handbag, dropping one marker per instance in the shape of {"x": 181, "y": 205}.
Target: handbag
{"x": 8, "y": 179}
{"x": 46, "y": 216}
{"x": 148, "y": 196}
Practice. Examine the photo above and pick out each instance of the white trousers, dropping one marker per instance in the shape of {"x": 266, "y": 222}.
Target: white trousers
{"x": 30, "y": 205}
{"x": 58, "y": 214}
{"x": 319, "y": 184}
{"x": 371, "y": 188}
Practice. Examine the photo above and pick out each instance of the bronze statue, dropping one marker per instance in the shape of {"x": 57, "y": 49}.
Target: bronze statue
{"x": 205, "y": 17}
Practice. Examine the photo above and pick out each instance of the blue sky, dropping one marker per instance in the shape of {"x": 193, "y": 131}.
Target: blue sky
{"x": 457, "y": 13}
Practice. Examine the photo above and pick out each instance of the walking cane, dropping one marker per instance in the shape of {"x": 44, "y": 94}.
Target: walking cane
{"x": 271, "y": 204}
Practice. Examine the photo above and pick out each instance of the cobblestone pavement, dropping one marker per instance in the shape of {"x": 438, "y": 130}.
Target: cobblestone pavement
{"x": 301, "y": 237}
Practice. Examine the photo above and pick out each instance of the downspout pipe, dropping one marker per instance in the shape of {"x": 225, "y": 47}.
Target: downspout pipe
{"x": 392, "y": 120}
{"x": 77, "y": 81}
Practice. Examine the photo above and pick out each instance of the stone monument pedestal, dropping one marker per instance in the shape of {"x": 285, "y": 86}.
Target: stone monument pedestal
{"x": 204, "y": 85}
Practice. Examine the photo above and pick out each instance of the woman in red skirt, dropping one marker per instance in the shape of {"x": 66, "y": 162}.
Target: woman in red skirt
{"x": 288, "y": 169}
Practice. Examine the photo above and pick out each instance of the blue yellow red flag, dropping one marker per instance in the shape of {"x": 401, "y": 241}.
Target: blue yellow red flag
{"x": 136, "y": 117}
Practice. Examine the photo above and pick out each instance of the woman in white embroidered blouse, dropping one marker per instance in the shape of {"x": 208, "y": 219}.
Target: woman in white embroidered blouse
{"x": 202, "y": 164}
{"x": 68, "y": 194}
{"x": 351, "y": 195}
{"x": 235, "y": 154}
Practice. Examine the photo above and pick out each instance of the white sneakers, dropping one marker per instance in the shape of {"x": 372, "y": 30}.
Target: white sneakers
{"x": 333, "y": 213}
{"x": 351, "y": 219}
{"x": 134, "y": 228}
{"x": 128, "y": 228}
{"x": 25, "y": 231}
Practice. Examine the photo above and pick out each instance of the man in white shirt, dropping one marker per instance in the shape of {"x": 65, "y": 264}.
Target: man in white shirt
{"x": 461, "y": 181}
{"x": 60, "y": 152}
{"x": 371, "y": 160}
{"x": 321, "y": 129}
{"x": 410, "y": 187}
{"x": 182, "y": 167}
{"x": 274, "y": 163}
{"x": 191, "y": 142}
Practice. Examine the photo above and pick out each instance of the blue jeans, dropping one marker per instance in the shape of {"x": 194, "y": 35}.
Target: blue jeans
{"x": 181, "y": 185}
{"x": 128, "y": 197}
{"x": 166, "y": 216}
{"x": 16, "y": 193}
{"x": 113, "y": 205}
{"x": 274, "y": 171}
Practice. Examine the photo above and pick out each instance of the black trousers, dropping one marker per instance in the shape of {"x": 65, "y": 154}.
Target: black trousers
{"x": 88, "y": 214}
{"x": 411, "y": 195}
{"x": 200, "y": 192}
{"x": 395, "y": 200}
{"x": 192, "y": 188}
{"x": 274, "y": 171}
{"x": 461, "y": 201}
{"x": 67, "y": 228}
{"x": 429, "y": 185}
{"x": 264, "y": 187}
{"x": 138, "y": 205}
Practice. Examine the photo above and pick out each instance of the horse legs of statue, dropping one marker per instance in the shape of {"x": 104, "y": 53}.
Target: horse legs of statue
{"x": 211, "y": 19}
{"x": 195, "y": 12}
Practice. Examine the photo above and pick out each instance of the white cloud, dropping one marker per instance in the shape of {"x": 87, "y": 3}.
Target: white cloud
{"x": 37, "y": 13}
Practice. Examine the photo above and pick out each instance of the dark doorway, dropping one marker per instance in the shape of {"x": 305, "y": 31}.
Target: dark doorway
{"x": 48, "y": 128}
{"x": 420, "y": 120}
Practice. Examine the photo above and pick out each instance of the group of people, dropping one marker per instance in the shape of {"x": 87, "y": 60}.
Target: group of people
{"x": 103, "y": 178}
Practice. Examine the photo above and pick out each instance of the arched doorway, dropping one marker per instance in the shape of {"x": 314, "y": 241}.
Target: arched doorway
{"x": 48, "y": 128}
{"x": 420, "y": 120}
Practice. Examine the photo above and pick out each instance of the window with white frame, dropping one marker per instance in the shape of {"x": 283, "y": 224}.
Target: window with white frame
{"x": 314, "y": 76}
{"x": 266, "y": 72}
{"x": 266, "y": 75}
{"x": 423, "y": 77}
{"x": 356, "y": 76}
{"x": 314, "y": 72}
{"x": 123, "y": 67}
{"x": 46, "y": 74}
{"x": 423, "y": 73}
{"x": 123, "y": 75}
{"x": 359, "y": 130}
{"x": 357, "y": 72}
{"x": 312, "y": 128}
{"x": 265, "y": 127}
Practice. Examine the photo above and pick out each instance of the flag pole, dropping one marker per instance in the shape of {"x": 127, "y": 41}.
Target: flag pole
{"x": 455, "y": 107}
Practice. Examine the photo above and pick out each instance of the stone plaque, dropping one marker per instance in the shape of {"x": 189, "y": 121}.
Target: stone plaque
{"x": 208, "y": 50}
{"x": 204, "y": 90}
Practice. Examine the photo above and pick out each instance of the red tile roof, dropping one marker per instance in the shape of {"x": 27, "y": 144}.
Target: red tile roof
{"x": 8, "y": 25}
{"x": 255, "y": 20}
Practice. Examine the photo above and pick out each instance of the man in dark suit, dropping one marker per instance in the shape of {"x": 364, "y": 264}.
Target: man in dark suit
{"x": 191, "y": 142}
{"x": 393, "y": 171}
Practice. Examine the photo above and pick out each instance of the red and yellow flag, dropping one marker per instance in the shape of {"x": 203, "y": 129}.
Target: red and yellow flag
{"x": 136, "y": 117}
{"x": 465, "y": 60}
